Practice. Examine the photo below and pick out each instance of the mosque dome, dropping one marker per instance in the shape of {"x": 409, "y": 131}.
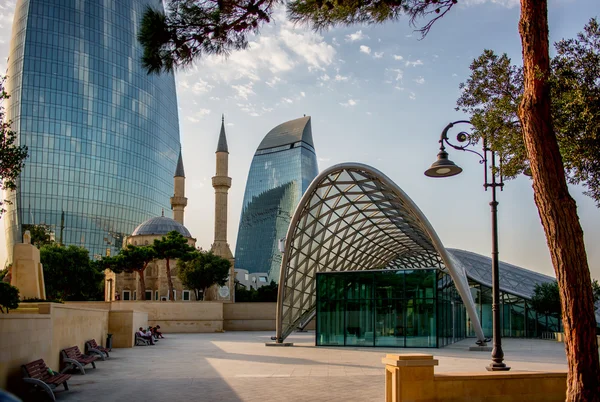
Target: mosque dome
{"x": 160, "y": 225}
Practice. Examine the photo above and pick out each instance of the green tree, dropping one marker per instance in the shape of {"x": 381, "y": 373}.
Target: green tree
{"x": 267, "y": 293}
{"x": 596, "y": 291}
{"x": 12, "y": 156}
{"x": 40, "y": 234}
{"x": 69, "y": 274}
{"x": 192, "y": 28}
{"x": 132, "y": 259}
{"x": 546, "y": 298}
{"x": 172, "y": 246}
{"x": 203, "y": 271}
{"x": 492, "y": 94}
{"x": 9, "y": 297}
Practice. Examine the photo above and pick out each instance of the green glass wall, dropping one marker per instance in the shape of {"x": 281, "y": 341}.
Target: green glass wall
{"x": 388, "y": 308}
{"x": 517, "y": 317}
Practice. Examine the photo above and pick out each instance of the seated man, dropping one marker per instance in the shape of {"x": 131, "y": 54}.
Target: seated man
{"x": 143, "y": 334}
{"x": 157, "y": 332}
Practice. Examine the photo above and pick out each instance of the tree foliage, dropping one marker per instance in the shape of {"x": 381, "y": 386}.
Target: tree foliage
{"x": 131, "y": 259}
{"x": 492, "y": 94}
{"x": 191, "y": 29}
{"x": 40, "y": 234}
{"x": 204, "y": 270}
{"x": 9, "y": 297}
{"x": 69, "y": 274}
{"x": 264, "y": 294}
{"x": 172, "y": 246}
{"x": 12, "y": 155}
{"x": 546, "y": 298}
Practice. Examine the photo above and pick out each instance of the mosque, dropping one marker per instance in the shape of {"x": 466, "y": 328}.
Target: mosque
{"x": 126, "y": 286}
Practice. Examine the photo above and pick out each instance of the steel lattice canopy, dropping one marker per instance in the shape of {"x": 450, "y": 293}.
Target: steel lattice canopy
{"x": 352, "y": 217}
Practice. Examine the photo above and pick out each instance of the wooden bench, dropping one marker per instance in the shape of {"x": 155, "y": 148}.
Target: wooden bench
{"x": 139, "y": 341}
{"x": 39, "y": 375}
{"x": 73, "y": 358}
{"x": 91, "y": 347}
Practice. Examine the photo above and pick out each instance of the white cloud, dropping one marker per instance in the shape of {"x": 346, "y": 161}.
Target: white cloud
{"x": 196, "y": 117}
{"x": 324, "y": 77}
{"x": 201, "y": 87}
{"x": 350, "y": 102}
{"x": 365, "y": 49}
{"x": 412, "y": 96}
{"x": 302, "y": 94}
{"x": 280, "y": 48}
{"x": 399, "y": 88}
{"x": 286, "y": 100}
{"x": 243, "y": 91}
{"x": 358, "y": 35}
{"x": 398, "y": 57}
{"x": 415, "y": 63}
{"x": 308, "y": 45}
{"x": 339, "y": 78}
{"x": 273, "y": 81}
{"x": 397, "y": 72}
{"x": 377, "y": 55}
{"x": 420, "y": 80}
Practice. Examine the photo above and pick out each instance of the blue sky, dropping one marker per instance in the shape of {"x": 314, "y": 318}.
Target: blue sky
{"x": 377, "y": 95}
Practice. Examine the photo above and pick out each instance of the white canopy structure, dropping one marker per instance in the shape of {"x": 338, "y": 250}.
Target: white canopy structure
{"x": 352, "y": 217}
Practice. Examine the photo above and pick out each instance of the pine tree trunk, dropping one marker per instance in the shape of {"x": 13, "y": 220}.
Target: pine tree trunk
{"x": 142, "y": 283}
{"x": 169, "y": 281}
{"x": 557, "y": 208}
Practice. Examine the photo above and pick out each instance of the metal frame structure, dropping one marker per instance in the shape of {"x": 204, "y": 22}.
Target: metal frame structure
{"x": 353, "y": 217}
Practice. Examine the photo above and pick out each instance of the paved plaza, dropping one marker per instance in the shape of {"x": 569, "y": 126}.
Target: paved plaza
{"x": 237, "y": 366}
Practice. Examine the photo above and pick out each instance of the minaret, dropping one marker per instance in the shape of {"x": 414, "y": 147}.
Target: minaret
{"x": 178, "y": 201}
{"x": 221, "y": 183}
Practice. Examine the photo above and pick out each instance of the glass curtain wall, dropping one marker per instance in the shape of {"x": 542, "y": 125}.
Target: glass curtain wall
{"x": 518, "y": 319}
{"x": 103, "y": 135}
{"x": 388, "y": 308}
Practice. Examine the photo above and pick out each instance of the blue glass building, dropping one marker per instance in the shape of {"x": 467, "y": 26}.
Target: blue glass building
{"x": 283, "y": 166}
{"x": 103, "y": 135}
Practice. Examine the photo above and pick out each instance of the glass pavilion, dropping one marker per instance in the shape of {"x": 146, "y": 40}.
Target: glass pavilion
{"x": 362, "y": 258}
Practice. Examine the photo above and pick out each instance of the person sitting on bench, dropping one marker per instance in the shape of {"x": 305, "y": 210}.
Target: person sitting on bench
{"x": 157, "y": 332}
{"x": 143, "y": 334}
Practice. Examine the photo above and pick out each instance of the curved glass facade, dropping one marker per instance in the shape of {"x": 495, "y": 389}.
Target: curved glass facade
{"x": 278, "y": 177}
{"x": 103, "y": 135}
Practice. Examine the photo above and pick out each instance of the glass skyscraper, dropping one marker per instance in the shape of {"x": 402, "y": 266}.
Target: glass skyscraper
{"x": 103, "y": 135}
{"x": 283, "y": 166}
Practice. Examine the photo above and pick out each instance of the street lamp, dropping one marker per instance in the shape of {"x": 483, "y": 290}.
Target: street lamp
{"x": 444, "y": 167}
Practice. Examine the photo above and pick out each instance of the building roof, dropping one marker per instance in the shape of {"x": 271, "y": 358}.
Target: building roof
{"x": 288, "y": 133}
{"x": 513, "y": 279}
{"x": 179, "y": 172}
{"x": 222, "y": 144}
{"x": 160, "y": 225}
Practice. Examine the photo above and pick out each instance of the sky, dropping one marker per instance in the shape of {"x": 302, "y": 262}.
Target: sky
{"x": 378, "y": 95}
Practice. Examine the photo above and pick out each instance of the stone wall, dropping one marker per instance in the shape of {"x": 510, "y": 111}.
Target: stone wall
{"x": 411, "y": 378}
{"x": 41, "y": 333}
{"x": 25, "y": 338}
{"x": 73, "y": 326}
{"x": 174, "y": 316}
{"x": 123, "y": 324}
{"x": 249, "y": 316}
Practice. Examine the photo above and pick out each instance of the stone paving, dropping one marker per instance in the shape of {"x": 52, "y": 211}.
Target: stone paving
{"x": 237, "y": 366}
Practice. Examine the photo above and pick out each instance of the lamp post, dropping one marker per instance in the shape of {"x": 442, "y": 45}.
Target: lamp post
{"x": 444, "y": 167}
